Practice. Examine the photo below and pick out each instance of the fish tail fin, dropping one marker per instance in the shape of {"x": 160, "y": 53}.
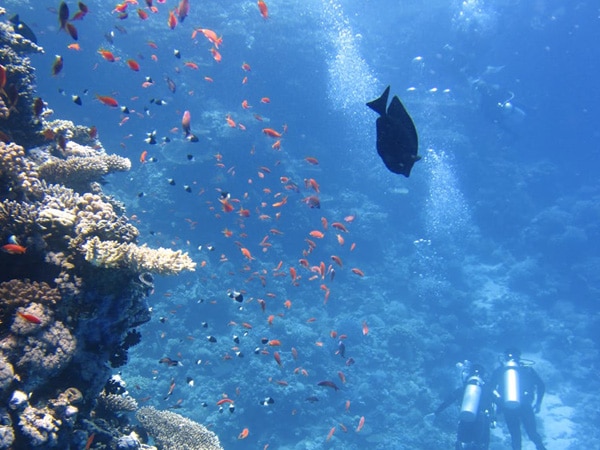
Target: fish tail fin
{"x": 380, "y": 104}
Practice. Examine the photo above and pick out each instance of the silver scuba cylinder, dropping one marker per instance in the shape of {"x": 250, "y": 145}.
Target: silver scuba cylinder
{"x": 511, "y": 394}
{"x": 471, "y": 399}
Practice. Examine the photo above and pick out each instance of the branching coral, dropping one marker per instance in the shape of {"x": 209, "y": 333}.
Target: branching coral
{"x": 174, "y": 432}
{"x": 112, "y": 254}
{"x": 78, "y": 172}
{"x": 117, "y": 402}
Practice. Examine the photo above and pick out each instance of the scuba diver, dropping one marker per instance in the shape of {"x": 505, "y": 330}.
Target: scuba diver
{"x": 476, "y": 411}
{"x": 518, "y": 391}
{"x": 499, "y": 106}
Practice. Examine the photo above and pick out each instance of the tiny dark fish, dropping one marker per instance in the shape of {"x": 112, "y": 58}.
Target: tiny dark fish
{"x": 38, "y": 106}
{"x": 63, "y": 15}
{"x": 329, "y": 384}
{"x": 177, "y": 54}
{"x": 171, "y": 84}
{"x": 57, "y": 65}
{"x": 397, "y": 140}
{"x": 187, "y": 189}
{"x": 342, "y": 349}
{"x": 72, "y": 30}
{"x": 77, "y": 100}
{"x": 266, "y": 401}
{"x": 171, "y": 181}
{"x": 168, "y": 362}
{"x": 312, "y": 399}
{"x": 211, "y": 339}
{"x": 23, "y": 29}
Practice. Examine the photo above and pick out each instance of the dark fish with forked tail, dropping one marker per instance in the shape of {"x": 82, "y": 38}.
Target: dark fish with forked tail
{"x": 397, "y": 141}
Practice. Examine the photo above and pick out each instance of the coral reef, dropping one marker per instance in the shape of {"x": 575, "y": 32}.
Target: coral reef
{"x": 174, "y": 432}
{"x": 73, "y": 279}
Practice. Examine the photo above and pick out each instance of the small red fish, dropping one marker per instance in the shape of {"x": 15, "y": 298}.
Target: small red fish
{"x": 142, "y": 14}
{"x": 29, "y": 318}
{"x": 108, "y": 101}
{"x": 183, "y": 10}
{"x": 271, "y": 132}
{"x": 264, "y": 11}
{"x": 361, "y": 424}
{"x": 186, "y": 123}
{"x": 244, "y": 434}
{"x": 14, "y": 249}
{"x": 172, "y": 21}
{"x": 107, "y": 55}
{"x": 358, "y": 272}
{"x": 133, "y": 65}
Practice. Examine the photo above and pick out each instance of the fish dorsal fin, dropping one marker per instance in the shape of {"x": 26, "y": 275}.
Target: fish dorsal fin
{"x": 398, "y": 113}
{"x": 379, "y": 104}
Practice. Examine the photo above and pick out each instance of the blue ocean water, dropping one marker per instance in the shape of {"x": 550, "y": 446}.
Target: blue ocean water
{"x": 491, "y": 242}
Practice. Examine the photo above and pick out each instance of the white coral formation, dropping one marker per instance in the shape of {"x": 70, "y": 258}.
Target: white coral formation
{"x": 6, "y": 374}
{"x": 39, "y": 426}
{"x": 15, "y": 166}
{"x": 112, "y": 254}
{"x": 48, "y": 351}
{"x": 174, "y": 432}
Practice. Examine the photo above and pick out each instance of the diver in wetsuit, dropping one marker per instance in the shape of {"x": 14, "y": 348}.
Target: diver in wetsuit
{"x": 476, "y": 412}
{"x": 519, "y": 391}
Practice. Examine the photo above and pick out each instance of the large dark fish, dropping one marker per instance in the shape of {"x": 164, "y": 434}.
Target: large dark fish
{"x": 23, "y": 29}
{"x": 397, "y": 141}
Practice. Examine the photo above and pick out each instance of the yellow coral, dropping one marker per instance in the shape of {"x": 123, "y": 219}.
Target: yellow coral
{"x": 112, "y": 254}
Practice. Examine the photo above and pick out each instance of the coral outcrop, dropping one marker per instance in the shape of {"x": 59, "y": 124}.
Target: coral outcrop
{"x": 112, "y": 254}
{"x": 73, "y": 278}
{"x": 174, "y": 432}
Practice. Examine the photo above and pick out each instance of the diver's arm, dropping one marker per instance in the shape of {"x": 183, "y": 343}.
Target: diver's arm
{"x": 540, "y": 390}
{"x": 451, "y": 399}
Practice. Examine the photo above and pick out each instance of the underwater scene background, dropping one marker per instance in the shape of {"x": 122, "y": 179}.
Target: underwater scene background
{"x": 231, "y": 250}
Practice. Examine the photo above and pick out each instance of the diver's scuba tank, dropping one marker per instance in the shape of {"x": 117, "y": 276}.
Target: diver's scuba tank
{"x": 511, "y": 393}
{"x": 471, "y": 398}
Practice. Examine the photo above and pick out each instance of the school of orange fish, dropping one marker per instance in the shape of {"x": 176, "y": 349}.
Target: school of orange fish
{"x": 271, "y": 290}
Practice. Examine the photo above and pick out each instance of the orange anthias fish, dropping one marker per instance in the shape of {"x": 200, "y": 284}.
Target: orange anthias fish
{"x": 246, "y": 253}
{"x": 133, "y": 65}
{"x": 244, "y": 434}
{"x": 271, "y": 132}
{"x": 172, "y": 21}
{"x": 358, "y": 272}
{"x": 14, "y": 249}
{"x": 365, "y": 329}
{"x": 29, "y": 318}
{"x": 183, "y": 10}
{"x": 186, "y": 123}
{"x": 108, "y": 101}
{"x": 264, "y": 11}
{"x": 361, "y": 424}
{"x": 107, "y": 55}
